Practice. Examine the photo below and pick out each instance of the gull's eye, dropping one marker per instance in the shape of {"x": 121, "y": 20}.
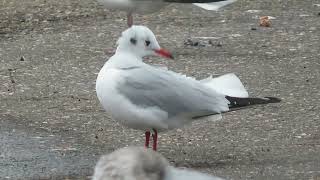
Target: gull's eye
{"x": 133, "y": 41}
{"x": 147, "y": 43}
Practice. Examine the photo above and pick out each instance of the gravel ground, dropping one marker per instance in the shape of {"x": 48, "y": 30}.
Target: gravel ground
{"x": 53, "y": 127}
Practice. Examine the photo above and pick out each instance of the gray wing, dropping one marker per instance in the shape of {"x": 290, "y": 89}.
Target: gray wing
{"x": 169, "y": 91}
{"x": 139, "y": 6}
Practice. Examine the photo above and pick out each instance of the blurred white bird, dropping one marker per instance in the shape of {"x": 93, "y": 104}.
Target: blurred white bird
{"x": 133, "y": 163}
{"x": 145, "y": 97}
{"x": 150, "y": 6}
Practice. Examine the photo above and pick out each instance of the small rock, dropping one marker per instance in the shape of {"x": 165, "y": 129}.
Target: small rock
{"x": 304, "y": 15}
{"x": 188, "y": 42}
{"x": 253, "y": 28}
{"x": 21, "y": 58}
{"x": 312, "y": 28}
{"x": 265, "y": 21}
{"x": 218, "y": 44}
{"x": 253, "y": 11}
{"x": 194, "y": 43}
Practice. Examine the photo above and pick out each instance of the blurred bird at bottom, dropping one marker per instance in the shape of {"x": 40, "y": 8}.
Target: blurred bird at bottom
{"x": 135, "y": 163}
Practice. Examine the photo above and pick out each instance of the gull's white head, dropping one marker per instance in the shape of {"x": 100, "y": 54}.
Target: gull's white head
{"x": 140, "y": 41}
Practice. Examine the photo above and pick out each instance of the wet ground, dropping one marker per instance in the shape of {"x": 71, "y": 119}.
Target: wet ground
{"x": 52, "y": 126}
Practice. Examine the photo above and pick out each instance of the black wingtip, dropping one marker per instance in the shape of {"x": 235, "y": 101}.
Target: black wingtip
{"x": 236, "y": 102}
{"x": 273, "y": 99}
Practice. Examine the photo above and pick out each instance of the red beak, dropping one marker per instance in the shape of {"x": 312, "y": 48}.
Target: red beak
{"x": 164, "y": 53}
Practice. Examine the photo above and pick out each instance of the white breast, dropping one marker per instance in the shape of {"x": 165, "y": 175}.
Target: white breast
{"x": 120, "y": 108}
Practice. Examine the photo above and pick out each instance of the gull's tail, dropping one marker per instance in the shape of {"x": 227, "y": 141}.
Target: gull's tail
{"x": 228, "y": 84}
{"x": 214, "y": 6}
{"x": 231, "y": 86}
{"x": 210, "y": 5}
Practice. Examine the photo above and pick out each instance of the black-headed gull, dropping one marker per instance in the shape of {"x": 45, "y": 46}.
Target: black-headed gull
{"x": 145, "y": 97}
{"x": 142, "y": 164}
{"x": 149, "y": 6}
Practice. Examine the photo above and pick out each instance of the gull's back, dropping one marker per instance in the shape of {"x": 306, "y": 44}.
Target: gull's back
{"x": 139, "y": 6}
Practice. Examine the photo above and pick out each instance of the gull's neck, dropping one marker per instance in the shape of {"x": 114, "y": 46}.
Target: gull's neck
{"x": 124, "y": 59}
{"x": 128, "y": 52}
{"x": 128, "y": 55}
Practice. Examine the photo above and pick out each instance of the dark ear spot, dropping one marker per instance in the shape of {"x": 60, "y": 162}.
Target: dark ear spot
{"x": 147, "y": 43}
{"x": 133, "y": 41}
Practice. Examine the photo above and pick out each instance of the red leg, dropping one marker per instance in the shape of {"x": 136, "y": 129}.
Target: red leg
{"x": 129, "y": 19}
{"x": 146, "y": 144}
{"x": 155, "y": 139}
